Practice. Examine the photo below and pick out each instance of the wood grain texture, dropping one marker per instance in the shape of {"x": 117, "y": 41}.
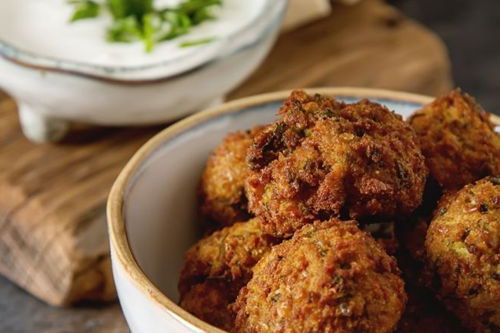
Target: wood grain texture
{"x": 53, "y": 238}
{"x": 367, "y": 45}
{"x": 52, "y": 197}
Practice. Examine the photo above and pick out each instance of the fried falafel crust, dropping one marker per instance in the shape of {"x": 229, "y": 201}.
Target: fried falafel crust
{"x": 221, "y": 192}
{"x": 326, "y": 159}
{"x": 463, "y": 254}
{"x": 209, "y": 300}
{"x": 217, "y": 267}
{"x": 330, "y": 277}
{"x": 458, "y": 140}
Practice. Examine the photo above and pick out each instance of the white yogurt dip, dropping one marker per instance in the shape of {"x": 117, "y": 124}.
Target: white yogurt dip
{"x": 41, "y": 28}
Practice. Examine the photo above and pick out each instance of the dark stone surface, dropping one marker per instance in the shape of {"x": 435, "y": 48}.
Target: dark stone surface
{"x": 22, "y": 313}
{"x": 471, "y": 30}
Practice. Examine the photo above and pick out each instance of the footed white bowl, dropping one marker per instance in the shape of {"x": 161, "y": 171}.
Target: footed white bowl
{"x": 51, "y": 93}
{"x": 152, "y": 205}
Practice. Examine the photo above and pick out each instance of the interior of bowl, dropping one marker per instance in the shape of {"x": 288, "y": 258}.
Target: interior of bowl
{"x": 159, "y": 208}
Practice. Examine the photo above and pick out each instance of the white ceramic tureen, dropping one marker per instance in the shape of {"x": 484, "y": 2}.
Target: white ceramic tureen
{"x": 61, "y": 72}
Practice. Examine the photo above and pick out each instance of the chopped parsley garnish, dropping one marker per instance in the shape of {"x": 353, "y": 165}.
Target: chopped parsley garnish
{"x": 139, "y": 20}
{"x": 196, "y": 42}
{"x": 84, "y": 9}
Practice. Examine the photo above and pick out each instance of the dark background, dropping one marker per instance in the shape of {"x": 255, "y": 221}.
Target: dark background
{"x": 471, "y": 31}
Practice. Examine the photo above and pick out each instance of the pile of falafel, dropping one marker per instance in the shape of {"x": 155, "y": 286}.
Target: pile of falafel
{"x": 343, "y": 217}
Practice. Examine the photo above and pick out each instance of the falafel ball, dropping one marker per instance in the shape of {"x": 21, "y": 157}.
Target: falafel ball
{"x": 458, "y": 140}
{"x": 463, "y": 254}
{"x": 217, "y": 267}
{"x": 221, "y": 193}
{"x": 329, "y": 277}
{"x": 326, "y": 159}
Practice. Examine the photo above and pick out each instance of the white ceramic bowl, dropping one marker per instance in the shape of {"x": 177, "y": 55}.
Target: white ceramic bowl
{"x": 51, "y": 93}
{"x": 152, "y": 206}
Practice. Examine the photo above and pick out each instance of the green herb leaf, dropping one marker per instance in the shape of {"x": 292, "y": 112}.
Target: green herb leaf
{"x": 148, "y": 32}
{"x": 124, "y": 8}
{"x": 84, "y": 9}
{"x": 197, "y": 42}
{"x": 139, "y": 8}
{"x": 124, "y": 30}
{"x": 192, "y": 6}
{"x": 117, "y": 9}
{"x": 199, "y": 10}
{"x": 178, "y": 22}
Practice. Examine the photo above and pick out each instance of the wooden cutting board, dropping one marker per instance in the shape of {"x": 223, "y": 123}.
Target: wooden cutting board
{"x": 53, "y": 239}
